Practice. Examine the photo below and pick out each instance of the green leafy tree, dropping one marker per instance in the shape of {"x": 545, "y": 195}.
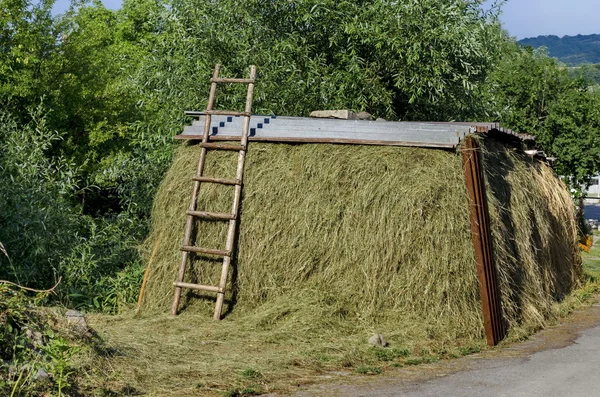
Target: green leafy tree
{"x": 55, "y": 161}
{"x": 589, "y": 72}
{"x": 38, "y": 218}
{"x": 395, "y": 59}
{"x": 27, "y": 42}
{"x": 530, "y": 92}
{"x": 572, "y": 133}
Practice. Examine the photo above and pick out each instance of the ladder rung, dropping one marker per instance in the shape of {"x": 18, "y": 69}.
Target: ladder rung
{"x": 198, "y": 113}
{"x": 230, "y": 80}
{"x": 222, "y": 146}
{"x": 227, "y": 113}
{"x": 201, "y": 287}
{"x": 211, "y": 251}
{"x": 212, "y": 215}
{"x": 194, "y": 113}
{"x": 223, "y": 181}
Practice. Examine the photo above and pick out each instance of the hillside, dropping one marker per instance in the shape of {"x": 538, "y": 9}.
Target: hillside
{"x": 572, "y": 50}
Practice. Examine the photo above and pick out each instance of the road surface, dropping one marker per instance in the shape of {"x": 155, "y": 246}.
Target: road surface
{"x": 592, "y": 211}
{"x": 563, "y": 361}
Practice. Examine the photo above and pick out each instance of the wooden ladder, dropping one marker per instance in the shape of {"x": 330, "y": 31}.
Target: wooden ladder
{"x": 199, "y": 178}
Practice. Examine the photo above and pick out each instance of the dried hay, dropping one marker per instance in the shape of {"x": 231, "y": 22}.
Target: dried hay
{"x": 371, "y": 237}
{"x": 534, "y": 235}
{"x": 337, "y": 243}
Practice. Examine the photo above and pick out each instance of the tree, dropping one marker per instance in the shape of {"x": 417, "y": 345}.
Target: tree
{"x": 27, "y": 41}
{"x": 572, "y": 134}
{"x": 409, "y": 60}
{"x": 66, "y": 106}
{"x": 38, "y": 221}
{"x": 530, "y": 92}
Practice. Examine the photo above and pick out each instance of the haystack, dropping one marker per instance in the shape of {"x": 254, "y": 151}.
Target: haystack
{"x": 374, "y": 237}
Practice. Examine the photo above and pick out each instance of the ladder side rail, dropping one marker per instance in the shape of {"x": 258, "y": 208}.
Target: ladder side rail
{"x": 189, "y": 223}
{"x": 231, "y": 232}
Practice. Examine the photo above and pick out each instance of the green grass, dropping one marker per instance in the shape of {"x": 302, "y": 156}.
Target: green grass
{"x": 390, "y": 354}
{"x": 243, "y": 392}
{"x": 591, "y": 260}
{"x": 251, "y": 374}
{"x": 422, "y": 360}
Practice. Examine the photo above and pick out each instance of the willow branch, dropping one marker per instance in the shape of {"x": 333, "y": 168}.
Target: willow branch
{"x": 51, "y": 290}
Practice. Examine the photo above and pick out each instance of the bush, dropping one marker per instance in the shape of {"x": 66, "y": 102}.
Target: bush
{"x": 39, "y": 216}
{"x": 34, "y": 359}
{"x": 45, "y": 234}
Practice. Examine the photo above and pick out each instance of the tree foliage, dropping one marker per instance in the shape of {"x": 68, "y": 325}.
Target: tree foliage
{"x": 532, "y": 93}
{"x": 27, "y": 41}
{"x": 409, "y": 60}
{"x": 91, "y": 98}
{"x": 589, "y": 72}
{"x": 571, "y": 50}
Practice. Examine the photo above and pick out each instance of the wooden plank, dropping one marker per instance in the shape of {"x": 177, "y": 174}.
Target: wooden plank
{"x": 217, "y": 113}
{"x": 220, "y": 146}
{"x": 210, "y": 251}
{"x": 222, "y": 181}
{"x": 482, "y": 242}
{"x": 208, "y": 288}
{"x": 305, "y": 132}
{"x": 219, "y": 216}
{"x": 327, "y": 140}
{"x": 232, "y": 80}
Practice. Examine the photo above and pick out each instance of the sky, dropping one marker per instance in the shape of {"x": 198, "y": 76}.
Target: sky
{"x": 522, "y": 18}
{"x": 530, "y": 18}
{"x": 62, "y": 5}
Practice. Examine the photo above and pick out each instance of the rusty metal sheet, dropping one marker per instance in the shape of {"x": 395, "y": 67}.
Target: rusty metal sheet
{"x": 482, "y": 242}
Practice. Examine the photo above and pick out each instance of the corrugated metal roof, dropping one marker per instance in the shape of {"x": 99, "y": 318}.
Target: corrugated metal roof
{"x": 442, "y": 135}
{"x": 315, "y": 130}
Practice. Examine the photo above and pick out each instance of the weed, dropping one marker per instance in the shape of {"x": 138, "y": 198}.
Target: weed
{"x": 383, "y": 354}
{"x": 243, "y": 392}
{"x": 60, "y": 352}
{"x": 368, "y": 370}
{"x": 27, "y": 343}
{"x": 466, "y": 350}
{"x": 422, "y": 360}
{"x": 251, "y": 374}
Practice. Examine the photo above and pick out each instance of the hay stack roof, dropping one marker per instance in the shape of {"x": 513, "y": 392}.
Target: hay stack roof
{"x": 374, "y": 237}
{"x": 366, "y": 132}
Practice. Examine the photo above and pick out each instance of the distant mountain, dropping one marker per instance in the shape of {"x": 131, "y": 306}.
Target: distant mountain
{"x": 571, "y": 50}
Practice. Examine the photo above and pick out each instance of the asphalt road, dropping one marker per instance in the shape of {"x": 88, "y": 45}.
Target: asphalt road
{"x": 592, "y": 211}
{"x": 560, "y": 362}
{"x": 572, "y": 371}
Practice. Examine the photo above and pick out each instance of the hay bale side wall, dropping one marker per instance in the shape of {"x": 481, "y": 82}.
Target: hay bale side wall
{"x": 378, "y": 234}
{"x": 534, "y": 235}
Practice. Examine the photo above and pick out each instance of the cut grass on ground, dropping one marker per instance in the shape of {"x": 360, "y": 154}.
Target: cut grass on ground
{"x": 338, "y": 243}
{"x": 190, "y": 355}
